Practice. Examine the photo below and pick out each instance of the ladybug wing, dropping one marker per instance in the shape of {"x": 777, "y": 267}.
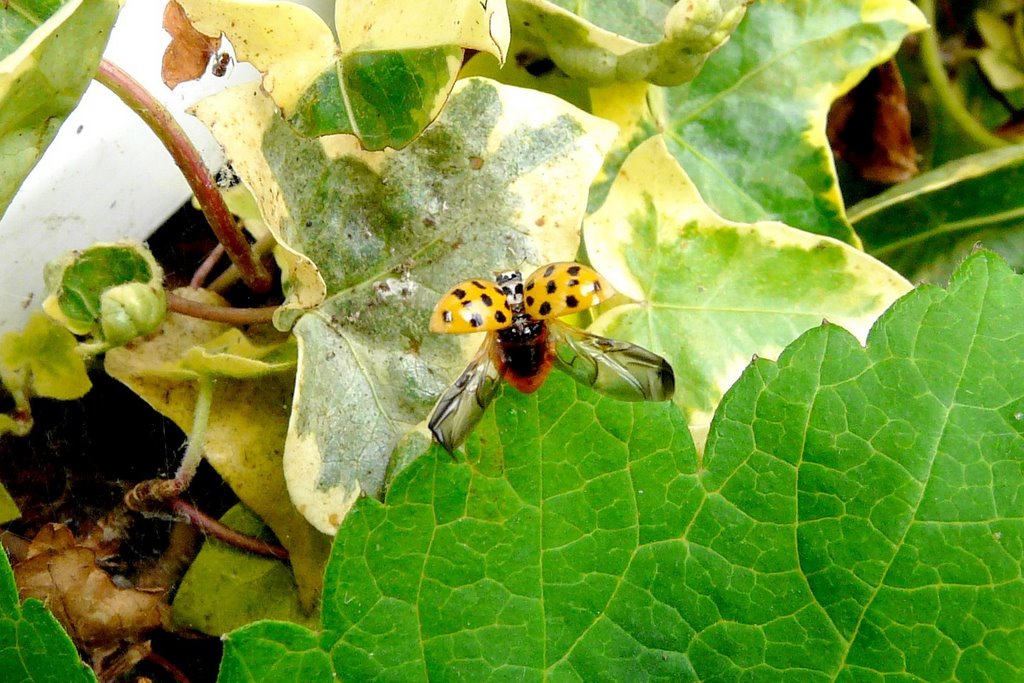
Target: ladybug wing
{"x": 615, "y": 368}
{"x": 559, "y": 289}
{"x": 471, "y": 306}
{"x": 463, "y": 403}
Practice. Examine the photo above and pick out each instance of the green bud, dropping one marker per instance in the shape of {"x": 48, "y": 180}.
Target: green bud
{"x": 131, "y": 310}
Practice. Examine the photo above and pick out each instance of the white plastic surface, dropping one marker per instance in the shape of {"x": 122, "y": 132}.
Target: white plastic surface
{"x": 106, "y": 176}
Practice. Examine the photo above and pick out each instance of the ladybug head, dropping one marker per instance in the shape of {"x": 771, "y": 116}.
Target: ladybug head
{"x": 511, "y": 284}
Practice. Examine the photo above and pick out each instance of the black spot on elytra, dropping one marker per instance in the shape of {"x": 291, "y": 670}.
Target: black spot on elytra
{"x": 597, "y": 286}
{"x": 551, "y": 287}
{"x": 529, "y": 286}
{"x": 476, "y": 320}
{"x": 573, "y": 270}
{"x": 467, "y": 303}
{"x": 550, "y": 269}
{"x": 499, "y": 316}
{"x": 571, "y": 301}
{"x": 507, "y": 307}
{"x": 459, "y": 293}
{"x": 545, "y": 308}
{"x": 488, "y": 301}
{"x": 572, "y": 283}
{"x": 447, "y": 316}
{"x": 529, "y": 301}
{"x": 478, "y": 285}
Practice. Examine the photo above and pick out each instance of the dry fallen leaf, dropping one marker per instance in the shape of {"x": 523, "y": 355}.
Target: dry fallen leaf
{"x": 186, "y": 58}
{"x": 97, "y": 614}
{"x": 869, "y": 127}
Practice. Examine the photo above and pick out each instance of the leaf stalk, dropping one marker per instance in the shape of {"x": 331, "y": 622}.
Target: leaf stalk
{"x": 185, "y": 155}
{"x": 931, "y": 60}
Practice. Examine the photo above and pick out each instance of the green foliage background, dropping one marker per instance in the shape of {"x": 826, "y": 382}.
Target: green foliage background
{"x": 834, "y": 502}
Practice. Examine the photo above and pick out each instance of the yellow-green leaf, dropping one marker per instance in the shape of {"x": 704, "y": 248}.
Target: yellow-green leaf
{"x": 48, "y": 55}
{"x": 8, "y": 508}
{"x": 42, "y": 360}
{"x": 248, "y": 420}
{"x": 499, "y": 180}
{"x": 386, "y": 77}
{"x": 750, "y": 129}
{"x": 605, "y": 41}
{"x": 226, "y": 588}
{"x": 709, "y": 293}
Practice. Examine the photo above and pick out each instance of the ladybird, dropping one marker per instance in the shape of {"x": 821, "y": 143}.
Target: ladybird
{"x": 525, "y": 340}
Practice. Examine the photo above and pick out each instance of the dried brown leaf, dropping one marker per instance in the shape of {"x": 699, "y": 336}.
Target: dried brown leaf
{"x": 96, "y": 613}
{"x": 869, "y": 127}
{"x": 186, "y": 58}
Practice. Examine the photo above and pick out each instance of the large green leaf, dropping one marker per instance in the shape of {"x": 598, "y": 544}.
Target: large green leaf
{"x": 33, "y": 646}
{"x": 499, "y": 180}
{"x": 603, "y": 41}
{"x": 856, "y": 517}
{"x": 924, "y": 227}
{"x": 709, "y": 293}
{"x": 385, "y": 77}
{"x": 48, "y": 55}
{"x": 750, "y": 129}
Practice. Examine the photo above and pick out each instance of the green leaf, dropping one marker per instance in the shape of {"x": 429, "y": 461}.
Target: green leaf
{"x": 634, "y": 40}
{"x": 856, "y": 517}
{"x": 112, "y": 291}
{"x": 41, "y": 360}
{"x": 709, "y": 293}
{"x": 8, "y": 508}
{"x": 226, "y": 588}
{"x": 1000, "y": 59}
{"x": 33, "y": 646}
{"x": 274, "y": 651}
{"x": 48, "y": 55}
{"x": 924, "y": 227}
{"x": 750, "y": 129}
{"x": 499, "y": 180}
{"x": 386, "y": 77}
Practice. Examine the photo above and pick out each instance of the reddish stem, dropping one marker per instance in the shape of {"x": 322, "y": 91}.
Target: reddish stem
{"x": 192, "y": 167}
{"x": 203, "y": 271}
{"x": 177, "y": 674}
{"x": 221, "y": 314}
{"x": 211, "y": 527}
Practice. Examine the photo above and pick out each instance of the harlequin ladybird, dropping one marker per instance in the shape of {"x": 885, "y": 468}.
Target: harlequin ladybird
{"x": 525, "y": 340}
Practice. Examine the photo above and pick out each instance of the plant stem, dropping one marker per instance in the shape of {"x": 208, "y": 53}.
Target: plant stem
{"x": 192, "y": 167}
{"x": 263, "y": 246}
{"x": 222, "y": 532}
{"x": 220, "y": 314}
{"x": 931, "y": 59}
{"x": 154, "y": 494}
{"x": 197, "y": 435}
{"x": 203, "y": 271}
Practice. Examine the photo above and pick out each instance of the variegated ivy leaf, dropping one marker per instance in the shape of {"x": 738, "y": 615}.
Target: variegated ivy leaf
{"x": 604, "y": 41}
{"x": 384, "y": 79}
{"x": 750, "y": 128}
{"x": 48, "y": 55}
{"x": 499, "y": 180}
{"x": 248, "y": 423}
{"x": 710, "y": 293}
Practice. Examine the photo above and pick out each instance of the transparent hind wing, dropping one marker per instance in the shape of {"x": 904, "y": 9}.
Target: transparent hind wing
{"x": 463, "y": 403}
{"x": 615, "y": 368}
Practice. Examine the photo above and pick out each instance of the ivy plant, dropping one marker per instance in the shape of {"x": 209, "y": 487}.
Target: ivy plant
{"x": 832, "y": 494}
